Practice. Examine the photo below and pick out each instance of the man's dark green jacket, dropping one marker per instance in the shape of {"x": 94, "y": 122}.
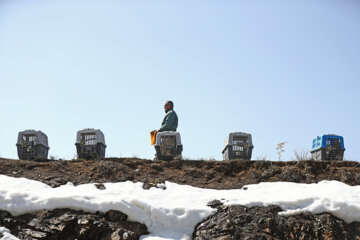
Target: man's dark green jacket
{"x": 170, "y": 121}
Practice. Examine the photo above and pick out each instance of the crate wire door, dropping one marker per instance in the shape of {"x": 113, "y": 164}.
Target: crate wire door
{"x": 240, "y": 146}
{"x": 333, "y": 148}
{"x": 88, "y": 139}
{"x": 168, "y": 145}
{"x": 29, "y": 144}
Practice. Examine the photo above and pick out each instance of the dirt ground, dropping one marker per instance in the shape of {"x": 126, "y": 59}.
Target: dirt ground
{"x": 206, "y": 174}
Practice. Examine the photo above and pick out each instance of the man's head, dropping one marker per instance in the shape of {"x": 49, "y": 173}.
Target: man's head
{"x": 168, "y": 105}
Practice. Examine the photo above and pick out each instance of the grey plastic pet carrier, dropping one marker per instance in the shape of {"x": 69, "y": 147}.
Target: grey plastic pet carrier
{"x": 90, "y": 143}
{"x": 238, "y": 145}
{"x": 168, "y": 145}
{"x": 32, "y": 144}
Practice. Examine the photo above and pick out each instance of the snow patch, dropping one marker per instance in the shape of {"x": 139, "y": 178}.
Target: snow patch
{"x": 6, "y": 234}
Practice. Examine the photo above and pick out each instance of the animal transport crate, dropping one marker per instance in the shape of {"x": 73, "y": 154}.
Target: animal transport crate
{"x": 328, "y": 147}
{"x": 32, "y": 144}
{"x": 168, "y": 145}
{"x": 90, "y": 143}
{"x": 238, "y": 145}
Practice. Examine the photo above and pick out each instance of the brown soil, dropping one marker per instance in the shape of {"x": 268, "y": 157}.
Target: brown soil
{"x": 206, "y": 174}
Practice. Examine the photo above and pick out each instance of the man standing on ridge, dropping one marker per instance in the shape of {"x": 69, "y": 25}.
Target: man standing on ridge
{"x": 170, "y": 122}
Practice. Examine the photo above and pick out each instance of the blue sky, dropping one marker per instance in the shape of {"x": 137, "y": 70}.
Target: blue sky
{"x": 280, "y": 70}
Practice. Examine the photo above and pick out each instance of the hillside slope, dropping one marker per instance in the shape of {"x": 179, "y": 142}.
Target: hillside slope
{"x": 235, "y": 222}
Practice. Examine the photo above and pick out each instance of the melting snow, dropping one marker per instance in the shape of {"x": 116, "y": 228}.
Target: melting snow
{"x": 172, "y": 211}
{"x": 6, "y": 234}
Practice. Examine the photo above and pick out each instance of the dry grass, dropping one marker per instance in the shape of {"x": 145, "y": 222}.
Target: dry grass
{"x": 301, "y": 155}
{"x": 262, "y": 157}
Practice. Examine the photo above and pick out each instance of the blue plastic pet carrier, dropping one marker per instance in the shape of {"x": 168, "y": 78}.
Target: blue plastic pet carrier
{"x": 328, "y": 147}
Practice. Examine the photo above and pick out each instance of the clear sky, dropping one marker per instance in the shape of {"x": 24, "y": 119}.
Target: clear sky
{"x": 280, "y": 70}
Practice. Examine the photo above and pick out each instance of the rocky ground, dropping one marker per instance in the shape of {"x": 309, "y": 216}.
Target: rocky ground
{"x": 236, "y": 222}
{"x": 264, "y": 223}
{"x": 67, "y": 224}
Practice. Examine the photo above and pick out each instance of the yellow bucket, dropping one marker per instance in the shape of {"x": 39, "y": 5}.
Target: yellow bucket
{"x": 153, "y": 137}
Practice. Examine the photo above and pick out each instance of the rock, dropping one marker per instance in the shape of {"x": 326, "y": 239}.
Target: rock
{"x": 147, "y": 185}
{"x": 117, "y": 235}
{"x": 158, "y": 184}
{"x": 55, "y": 182}
{"x": 115, "y": 216}
{"x": 36, "y": 234}
{"x": 215, "y": 204}
{"x": 70, "y": 224}
{"x": 122, "y": 235}
{"x": 291, "y": 174}
{"x": 239, "y": 222}
{"x": 156, "y": 167}
{"x": 100, "y": 186}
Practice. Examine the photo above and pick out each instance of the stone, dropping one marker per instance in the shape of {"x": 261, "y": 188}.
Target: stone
{"x": 70, "y": 224}
{"x": 265, "y": 223}
{"x": 100, "y": 186}
{"x": 115, "y": 216}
